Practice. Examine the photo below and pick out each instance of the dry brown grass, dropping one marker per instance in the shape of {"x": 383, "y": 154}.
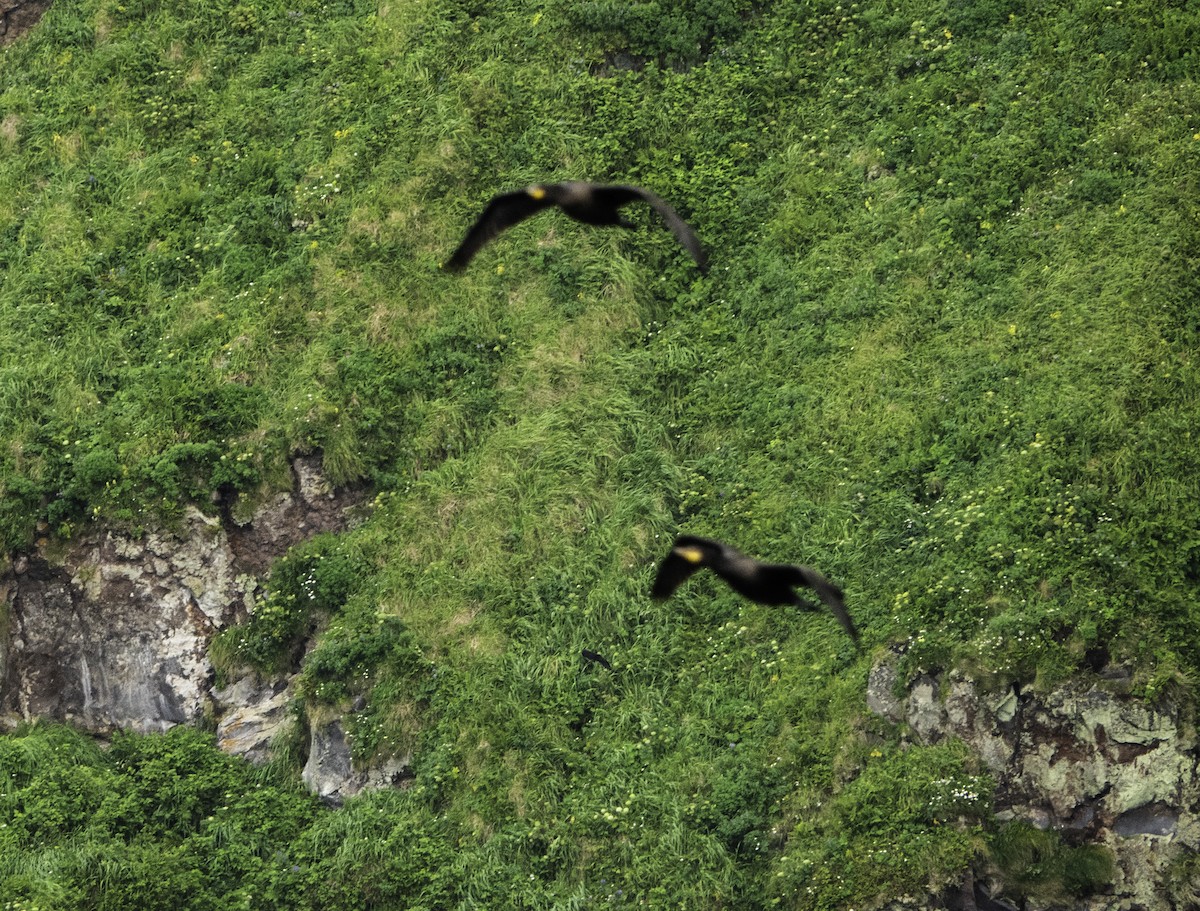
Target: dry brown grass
{"x": 10, "y": 130}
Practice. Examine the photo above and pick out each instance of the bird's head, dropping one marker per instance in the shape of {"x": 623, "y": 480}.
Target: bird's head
{"x": 691, "y": 553}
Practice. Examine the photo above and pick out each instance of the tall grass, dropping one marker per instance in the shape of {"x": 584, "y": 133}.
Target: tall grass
{"x": 944, "y": 354}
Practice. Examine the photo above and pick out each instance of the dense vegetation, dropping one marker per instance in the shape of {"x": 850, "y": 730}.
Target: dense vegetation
{"x": 946, "y": 353}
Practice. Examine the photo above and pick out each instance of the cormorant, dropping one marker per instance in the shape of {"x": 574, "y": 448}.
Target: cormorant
{"x": 597, "y": 658}
{"x": 591, "y": 203}
{"x": 766, "y": 583}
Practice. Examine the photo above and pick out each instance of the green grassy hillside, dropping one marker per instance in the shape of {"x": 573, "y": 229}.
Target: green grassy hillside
{"x": 945, "y": 353}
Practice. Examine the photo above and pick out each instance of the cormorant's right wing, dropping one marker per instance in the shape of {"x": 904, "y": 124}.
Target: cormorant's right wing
{"x": 502, "y": 212}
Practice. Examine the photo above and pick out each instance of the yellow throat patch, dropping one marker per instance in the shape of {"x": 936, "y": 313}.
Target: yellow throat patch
{"x": 536, "y": 192}
{"x": 691, "y": 554}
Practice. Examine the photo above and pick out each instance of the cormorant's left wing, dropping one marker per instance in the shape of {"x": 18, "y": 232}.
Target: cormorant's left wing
{"x": 618, "y": 194}
{"x": 684, "y": 559}
{"x": 830, "y": 594}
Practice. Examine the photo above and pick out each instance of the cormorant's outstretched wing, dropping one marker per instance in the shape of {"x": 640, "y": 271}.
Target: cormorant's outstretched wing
{"x": 830, "y": 594}
{"x": 619, "y": 194}
{"x": 502, "y": 212}
{"x": 673, "y": 572}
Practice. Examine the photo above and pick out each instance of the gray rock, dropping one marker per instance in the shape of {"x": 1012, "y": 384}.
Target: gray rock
{"x": 881, "y": 695}
{"x": 923, "y": 710}
{"x": 1151, "y": 819}
{"x": 330, "y": 774}
{"x": 111, "y": 630}
{"x": 252, "y": 715}
{"x": 1103, "y": 765}
{"x": 98, "y": 641}
{"x": 19, "y": 16}
{"x": 1004, "y": 708}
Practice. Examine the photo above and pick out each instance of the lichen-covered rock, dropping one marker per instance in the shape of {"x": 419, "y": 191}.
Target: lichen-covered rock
{"x": 111, "y": 630}
{"x": 1095, "y": 764}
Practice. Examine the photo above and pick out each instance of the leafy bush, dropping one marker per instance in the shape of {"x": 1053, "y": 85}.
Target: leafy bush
{"x": 311, "y": 582}
{"x": 152, "y": 823}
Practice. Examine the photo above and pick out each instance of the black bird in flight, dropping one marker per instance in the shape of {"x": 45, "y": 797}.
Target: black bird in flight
{"x": 596, "y": 657}
{"x": 766, "y": 583}
{"x": 590, "y": 203}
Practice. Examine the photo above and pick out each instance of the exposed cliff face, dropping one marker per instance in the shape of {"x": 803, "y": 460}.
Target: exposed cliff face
{"x": 112, "y": 631}
{"x": 19, "y": 16}
{"x": 114, "y": 634}
{"x": 330, "y": 774}
{"x": 1086, "y": 760}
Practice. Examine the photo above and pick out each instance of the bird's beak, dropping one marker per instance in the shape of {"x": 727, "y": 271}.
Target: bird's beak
{"x": 691, "y": 554}
{"x": 537, "y": 193}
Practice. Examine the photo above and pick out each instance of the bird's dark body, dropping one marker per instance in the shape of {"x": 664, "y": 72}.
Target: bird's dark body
{"x": 595, "y": 206}
{"x": 766, "y": 583}
{"x": 592, "y": 204}
{"x": 772, "y": 584}
{"x": 596, "y": 217}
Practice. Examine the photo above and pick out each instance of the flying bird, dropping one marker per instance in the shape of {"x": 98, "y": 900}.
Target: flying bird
{"x": 766, "y": 583}
{"x": 590, "y": 203}
{"x": 597, "y": 658}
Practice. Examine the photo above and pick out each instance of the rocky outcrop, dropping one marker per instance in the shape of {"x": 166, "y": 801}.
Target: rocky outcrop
{"x": 114, "y": 634}
{"x": 330, "y": 774}
{"x": 252, "y": 714}
{"x": 19, "y": 16}
{"x": 1085, "y": 759}
{"x": 312, "y": 506}
{"x": 111, "y": 630}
